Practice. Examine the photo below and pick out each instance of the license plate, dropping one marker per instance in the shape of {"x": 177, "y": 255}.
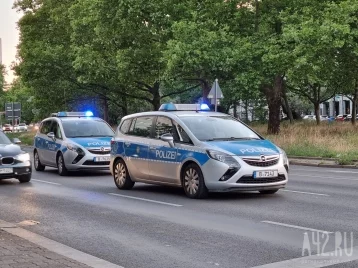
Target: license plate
{"x": 265, "y": 174}
{"x": 102, "y": 159}
{"x": 6, "y": 170}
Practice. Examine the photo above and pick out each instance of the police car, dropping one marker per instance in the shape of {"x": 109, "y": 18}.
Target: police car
{"x": 72, "y": 141}
{"x": 191, "y": 147}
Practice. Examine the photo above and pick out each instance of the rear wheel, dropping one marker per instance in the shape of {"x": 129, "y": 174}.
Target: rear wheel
{"x": 24, "y": 178}
{"x": 37, "y": 162}
{"x": 193, "y": 182}
{"x": 268, "y": 191}
{"x": 61, "y": 167}
{"x": 121, "y": 176}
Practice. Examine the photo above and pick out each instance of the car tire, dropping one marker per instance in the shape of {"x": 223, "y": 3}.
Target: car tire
{"x": 61, "y": 167}
{"x": 268, "y": 191}
{"x": 193, "y": 182}
{"x": 121, "y": 176}
{"x": 24, "y": 178}
{"x": 37, "y": 163}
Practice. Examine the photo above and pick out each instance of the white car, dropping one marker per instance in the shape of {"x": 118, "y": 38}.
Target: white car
{"x": 7, "y": 128}
{"x": 309, "y": 117}
{"x": 22, "y": 127}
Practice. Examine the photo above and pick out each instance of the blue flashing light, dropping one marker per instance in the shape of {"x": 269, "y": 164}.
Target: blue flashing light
{"x": 205, "y": 107}
{"x": 89, "y": 113}
{"x": 168, "y": 107}
{"x": 61, "y": 114}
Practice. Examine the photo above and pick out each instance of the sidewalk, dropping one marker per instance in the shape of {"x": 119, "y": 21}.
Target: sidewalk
{"x": 16, "y": 252}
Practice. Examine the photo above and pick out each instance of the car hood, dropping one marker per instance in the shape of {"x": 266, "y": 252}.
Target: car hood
{"x": 246, "y": 147}
{"x": 93, "y": 142}
{"x": 10, "y": 150}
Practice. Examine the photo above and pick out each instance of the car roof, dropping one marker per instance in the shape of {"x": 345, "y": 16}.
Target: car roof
{"x": 176, "y": 114}
{"x": 74, "y": 118}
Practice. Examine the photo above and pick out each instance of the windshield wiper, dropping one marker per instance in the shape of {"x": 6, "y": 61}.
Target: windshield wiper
{"x": 232, "y": 138}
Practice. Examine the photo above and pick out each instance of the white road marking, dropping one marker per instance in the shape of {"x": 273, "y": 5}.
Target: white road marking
{"x": 321, "y": 177}
{"x": 296, "y": 227}
{"x": 299, "y": 192}
{"x": 316, "y": 261}
{"x": 59, "y": 248}
{"x": 147, "y": 200}
{"x": 54, "y": 183}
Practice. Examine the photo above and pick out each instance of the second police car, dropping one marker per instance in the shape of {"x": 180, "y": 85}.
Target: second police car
{"x": 201, "y": 151}
{"x": 72, "y": 141}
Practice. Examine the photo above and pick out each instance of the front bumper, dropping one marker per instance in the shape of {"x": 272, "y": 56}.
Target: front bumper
{"x": 19, "y": 169}
{"x": 86, "y": 162}
{"x": 243, "y": 179}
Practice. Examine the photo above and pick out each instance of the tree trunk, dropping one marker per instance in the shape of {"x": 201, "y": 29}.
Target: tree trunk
{"x": 125, "y": 106}
{"x": 247, "y": 111}
{"x": 287, "y": 105}
{"x": 156, "y": 96}
{"x": 316, "y": 112}
{"x": 235, "y": 109}
{"x": 105, "y": 110}
{"x": 273, "y": 96}
{"x": 205, "y": 87}
{"x": 354, "y": 104}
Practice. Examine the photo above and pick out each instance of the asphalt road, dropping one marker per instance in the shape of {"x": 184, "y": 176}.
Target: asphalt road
{"x": 163, "y": 228}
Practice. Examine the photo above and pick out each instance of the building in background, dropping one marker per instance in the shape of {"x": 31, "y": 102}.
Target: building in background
{"x": 338, "y": 105}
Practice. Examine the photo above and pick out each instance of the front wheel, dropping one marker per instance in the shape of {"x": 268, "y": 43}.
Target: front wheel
{"x": 268, "y": 191}
{"x": 121, "y": 176}
{"x": 193, "y": 182}
{"x": 24, "y": 178}
{"x": 61, "y": 167}
{"x": 37, "y": 163}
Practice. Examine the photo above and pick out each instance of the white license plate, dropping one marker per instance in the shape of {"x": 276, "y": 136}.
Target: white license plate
{"x": 6, "y": 170}
{"x": 102, "y": 158}
{"x": 265, "y": 174}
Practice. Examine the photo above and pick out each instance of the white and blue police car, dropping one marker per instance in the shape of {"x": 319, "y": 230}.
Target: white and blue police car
{"x": 73, "y": 141}
{"x": 189, "y": 146}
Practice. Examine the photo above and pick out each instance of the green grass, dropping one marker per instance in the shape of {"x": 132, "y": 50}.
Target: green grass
{"x": 26, "y": 138}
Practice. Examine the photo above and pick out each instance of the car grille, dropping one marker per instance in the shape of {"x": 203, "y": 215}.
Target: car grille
{"x": 7, "y": 160}
{"x": 259, "y": 162}
{"x": 92, "y": 163}
{"x": 252, "y": 180}
{"x": 99, "y": 151}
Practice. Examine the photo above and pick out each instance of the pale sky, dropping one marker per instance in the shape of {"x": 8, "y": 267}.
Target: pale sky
{"x": 8, "y": 34}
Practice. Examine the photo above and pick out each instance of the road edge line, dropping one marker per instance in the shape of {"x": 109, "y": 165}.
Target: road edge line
{"x": 57, "y": 247}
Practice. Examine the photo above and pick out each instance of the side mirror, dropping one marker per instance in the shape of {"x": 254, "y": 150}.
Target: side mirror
{"x": 16, "y": 141}
{"x": 51, "y": 135}
{"x": 168, "y": 138}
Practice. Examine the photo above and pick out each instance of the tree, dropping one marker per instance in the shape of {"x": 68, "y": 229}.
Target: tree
{"x": 2, "y": 77}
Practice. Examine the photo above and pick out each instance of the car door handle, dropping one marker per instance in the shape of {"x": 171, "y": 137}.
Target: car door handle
{"x": 127, "y": 143}
{"x": 135, "y": 155}
{"x": 152, "y": 148}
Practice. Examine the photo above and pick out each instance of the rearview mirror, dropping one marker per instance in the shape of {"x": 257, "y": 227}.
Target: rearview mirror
{"x": 16, "y": 141}
{"x": 168, "y": 138}
{"x": 51, "y": 135}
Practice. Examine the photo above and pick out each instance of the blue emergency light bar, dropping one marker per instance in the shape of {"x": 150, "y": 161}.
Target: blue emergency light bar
{"x": 184, "y": 107}
{"x": 73, "y": 114}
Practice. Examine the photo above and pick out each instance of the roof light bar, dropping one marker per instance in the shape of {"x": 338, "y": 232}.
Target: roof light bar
{"x": 184, "y": 107}
{"x": 73, "y": 114}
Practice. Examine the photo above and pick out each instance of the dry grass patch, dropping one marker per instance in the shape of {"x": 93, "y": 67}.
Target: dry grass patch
{"x": 329, "y": 140}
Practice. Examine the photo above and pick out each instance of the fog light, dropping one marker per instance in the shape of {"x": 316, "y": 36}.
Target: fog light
{"x": 27, "y": 170}
{"x": 228, "y": 174}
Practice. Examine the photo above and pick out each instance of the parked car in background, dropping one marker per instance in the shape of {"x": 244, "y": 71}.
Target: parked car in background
{"x": 7, "y": 128}
{"x": 22, "y": 127}
{"x": 309, "y": 117}
{"x": 341, "y": 117}
{"x": 324, "y": 118}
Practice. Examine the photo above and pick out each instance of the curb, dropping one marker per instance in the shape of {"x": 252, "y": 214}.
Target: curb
{"x": 298, "y": 163}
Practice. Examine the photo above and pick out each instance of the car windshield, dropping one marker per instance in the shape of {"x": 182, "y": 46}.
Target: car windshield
{"x": 86, "y": 128}
{"x": 22, "y": 124}
{"x": 210, "y": 128}
{"x": 4, "y": 139}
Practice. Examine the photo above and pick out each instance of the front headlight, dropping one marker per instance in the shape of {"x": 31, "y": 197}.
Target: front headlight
{"x": 75, "y": 148}
{"x": 284, "y": 156}
{"x": 225, "y": 158}
{"x": 23, "y": 157}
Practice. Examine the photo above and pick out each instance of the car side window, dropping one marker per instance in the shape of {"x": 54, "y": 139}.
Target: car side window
{"x": 56, "y": 130}
{"x": 142, "y": 126}
{"x": 125, "y": 126}
{"x": 164, "y": 125}
{"x": 183, "y": 136}
{"x": 46, "y": 127}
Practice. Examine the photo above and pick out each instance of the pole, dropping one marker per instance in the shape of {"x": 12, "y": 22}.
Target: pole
{"x": 12, "y": 108}
{"x": 216, "y": 95}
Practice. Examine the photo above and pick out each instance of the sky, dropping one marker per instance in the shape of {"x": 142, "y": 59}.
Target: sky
{"x": 9, "y": 35}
